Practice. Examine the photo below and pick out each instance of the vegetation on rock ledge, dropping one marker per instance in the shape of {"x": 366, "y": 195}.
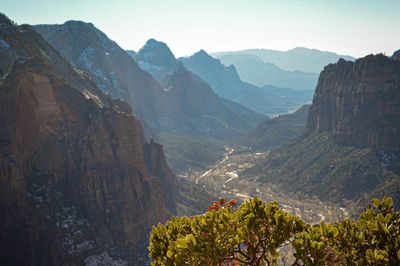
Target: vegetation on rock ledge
{"x": 254, "y": 232}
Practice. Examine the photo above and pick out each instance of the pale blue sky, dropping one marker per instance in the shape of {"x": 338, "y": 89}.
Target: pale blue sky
{"x": 354, "y": 27}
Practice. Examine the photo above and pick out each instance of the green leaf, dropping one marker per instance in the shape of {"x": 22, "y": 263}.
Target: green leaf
{"x": 376, "y": 202}
{"x": 388, "y": 202}
{"x": 181, "y": 243}
{"x": 398, "y": 254}
{"x": 323, "y": 227}
{"x": 335, "y": 232}
{"x": 170, "y": 254}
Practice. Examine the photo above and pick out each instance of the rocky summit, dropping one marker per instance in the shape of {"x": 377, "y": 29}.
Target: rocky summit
{"x": 79, "y": 183}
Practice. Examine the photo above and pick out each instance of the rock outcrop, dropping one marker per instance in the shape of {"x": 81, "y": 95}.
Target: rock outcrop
{"x": 78, "y": 181}
{"x": 359, "y": 103}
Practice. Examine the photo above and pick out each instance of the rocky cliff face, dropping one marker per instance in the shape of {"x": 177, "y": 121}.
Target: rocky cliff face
{"x": 78, "y": 182}
{"x": 351, "y": 147}
{"x": 359, "y": 103}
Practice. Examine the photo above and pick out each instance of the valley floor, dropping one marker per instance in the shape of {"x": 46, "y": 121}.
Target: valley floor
{"x": 227, "y": 179}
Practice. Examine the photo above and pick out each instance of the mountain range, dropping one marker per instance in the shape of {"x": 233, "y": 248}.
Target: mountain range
{"x": 299, "y": 58}
{"x": 297, "y": 68}
{"x": 172, "y": 102}
{"x": 225, "y": 81}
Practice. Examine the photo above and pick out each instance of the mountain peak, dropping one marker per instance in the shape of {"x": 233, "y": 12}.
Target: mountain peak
{"x": 154, "y": 43}
{"x": 202, "y": 53}
{"x": 5, "y": 21}
{"x": 156, "y": 53}
{"x": 78, "y": 23}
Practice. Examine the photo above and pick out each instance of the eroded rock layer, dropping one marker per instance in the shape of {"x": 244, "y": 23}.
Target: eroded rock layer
{"x": 78, "y": 181}
{"x": 359, "y": 103}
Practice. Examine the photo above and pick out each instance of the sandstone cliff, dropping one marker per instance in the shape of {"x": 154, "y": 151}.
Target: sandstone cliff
{"x": 351, "y": 147}
{"x": 359, "y": 103}
{"x": 78, "y": 181}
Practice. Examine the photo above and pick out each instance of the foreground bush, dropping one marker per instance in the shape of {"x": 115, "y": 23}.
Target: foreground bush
{"x": 253, "y": 233}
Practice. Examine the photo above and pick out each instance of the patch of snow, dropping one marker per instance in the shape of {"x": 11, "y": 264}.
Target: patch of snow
{"x": 386, "y": 159}
{"x": 85, "y": 58}
{"x": 3, "y": 44}
{"x": 81, "y": 247}
{"x": 88, "y": 95}
{"x": 104, "y": 259}
{"x": 98, "y": 73}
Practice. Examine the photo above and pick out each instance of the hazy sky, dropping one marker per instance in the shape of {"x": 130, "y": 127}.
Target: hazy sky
{"x": 354, "y": 27}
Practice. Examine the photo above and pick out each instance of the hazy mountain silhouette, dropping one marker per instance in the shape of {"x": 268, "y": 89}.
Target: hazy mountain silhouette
{"x": 226, "y": 82}
{"x": 255, "y": 71}
{"x": 299, "y": 58}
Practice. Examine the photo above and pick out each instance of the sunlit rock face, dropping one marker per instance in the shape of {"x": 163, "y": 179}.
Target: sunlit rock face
{"x": 359, "y": 102}
{"x": 78, "y": 181}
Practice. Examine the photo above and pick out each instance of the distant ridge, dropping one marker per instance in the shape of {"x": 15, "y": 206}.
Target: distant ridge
{"x": 225, "y": 81}
{"x": 299, "y": 58}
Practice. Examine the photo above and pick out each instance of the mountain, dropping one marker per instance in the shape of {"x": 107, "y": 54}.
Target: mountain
{"x": 396, "y": 55}
{"x": 170, "y": 101}
{"x": 193, "y": 99}
{"x": 299, "y": 58}
{"x": 131, "y": 53}
{"x": 79, "y": 184}
{"x": 108, "y": 65}
{"x": 276, "y": 132}
{"x": 351, "y": 148}
{"x": 226, "y": 82}
{"x": 358, "y": 103}
{"x": 221, "y": 121}
{"x": 255, "y": 71}
{"x": 156, "y": 58}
